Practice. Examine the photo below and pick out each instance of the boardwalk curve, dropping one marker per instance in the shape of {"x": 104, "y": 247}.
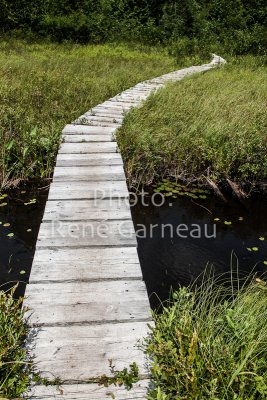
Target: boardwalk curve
{"x": 87, "y": 299}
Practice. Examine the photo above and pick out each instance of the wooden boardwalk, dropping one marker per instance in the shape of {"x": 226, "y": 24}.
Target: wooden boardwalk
{"x": 87, "y": 298}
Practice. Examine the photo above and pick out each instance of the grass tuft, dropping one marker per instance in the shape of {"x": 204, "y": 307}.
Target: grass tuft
{"x": 15, "y": 365}
{"x": 210, "y": 342}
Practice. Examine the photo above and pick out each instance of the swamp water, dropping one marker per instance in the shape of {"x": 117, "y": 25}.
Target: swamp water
{"x": 167, "y": 260}
{"x": 21, "y": 213}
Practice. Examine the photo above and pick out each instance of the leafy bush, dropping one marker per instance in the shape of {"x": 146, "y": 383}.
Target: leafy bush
{"x": 15, "y": 365}
{"x": 210, "y": 342}
{"x": 231, "y": 24}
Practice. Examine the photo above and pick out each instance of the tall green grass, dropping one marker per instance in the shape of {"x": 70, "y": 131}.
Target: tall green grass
{"x": 210, "y": 342}
{"x": 16, "y": 368}
{"x": 211, "y": 125}
{"x": 44, "y": 86}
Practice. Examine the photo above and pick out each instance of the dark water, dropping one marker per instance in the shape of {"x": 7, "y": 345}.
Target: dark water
{"x": 167, "y": 262}
{"x": 18, "y": 237}
{"x": 172, "y": 261}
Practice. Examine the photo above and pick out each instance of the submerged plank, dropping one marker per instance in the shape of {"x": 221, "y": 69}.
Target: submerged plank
{"x": 86, "y": 234}
{"x": 87, "y": 302}
{"x": 89, "y": 392}
{"x": 85, "y": 264}
{"x": 82, "y": 352}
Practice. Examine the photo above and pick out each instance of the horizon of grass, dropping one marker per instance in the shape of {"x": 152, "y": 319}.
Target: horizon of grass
{"x": 209, "y": 126}
{"x": 44, "y": 86}
{"x": 210, "y": 342}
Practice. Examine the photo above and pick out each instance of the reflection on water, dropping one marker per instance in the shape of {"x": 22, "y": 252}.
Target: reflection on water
{"x": 171, "y": 261}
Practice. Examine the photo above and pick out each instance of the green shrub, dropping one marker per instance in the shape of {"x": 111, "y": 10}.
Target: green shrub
{"x": 210, "y": 342}
{"x": 15, "y": 365}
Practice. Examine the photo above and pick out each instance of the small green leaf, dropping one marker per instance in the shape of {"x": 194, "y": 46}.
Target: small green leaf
{"x": 265, "y": 262}
{"x": 10, "y": 235}
{"x": 7, "y": 224}
{"x": 3, "y": 204}
{"x": 216, "y": 219}
{"x": 261, "y": 238}
{"x": 227, "y": 223}
{"x": 255, "y": 248}
{"x": 249, "y": 249}
{"x": 22, "y": 272}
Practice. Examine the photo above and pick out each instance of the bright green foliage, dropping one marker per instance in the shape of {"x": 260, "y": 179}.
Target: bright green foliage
{"x": 210, "y": 343}
{"x": 211, "y": 125}
{"x": 15, "y": 365}
{"x": 43, "y": 87}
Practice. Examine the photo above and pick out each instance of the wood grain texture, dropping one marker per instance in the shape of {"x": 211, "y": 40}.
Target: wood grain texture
{"x": 75, "y": 129}
{"x": 95, "y": 209}
{"x": 82, "y": 352}
{"x": 87, "y": 302}
{"x": 86, "y": 234}
{"x": 71, "y": 160}
{"x": 87, "y": 148}
{"x": 89, "y": 392}
{"x": 87, "y": 173}
{"x": 87, "y": 138}
{"x": 87, "y": 190}
{"x": 85, "y": 264}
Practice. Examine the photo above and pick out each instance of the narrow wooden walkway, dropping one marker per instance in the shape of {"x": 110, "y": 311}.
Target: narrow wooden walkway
{"x": 87, "y": 298}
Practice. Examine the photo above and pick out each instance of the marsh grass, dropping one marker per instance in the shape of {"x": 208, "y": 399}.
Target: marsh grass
{"x": 210, "y": 342}
{"x": 15, "y": 366}
{"x": 211, "y": 125}
{"x": 45, "y": 86}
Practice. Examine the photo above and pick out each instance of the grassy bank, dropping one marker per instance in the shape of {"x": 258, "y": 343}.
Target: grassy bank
{"x": 45, "y": 86}
{"x": 15, "y": 366}
{"x": 207, "y": 126}
{"x": 211, "y": 344}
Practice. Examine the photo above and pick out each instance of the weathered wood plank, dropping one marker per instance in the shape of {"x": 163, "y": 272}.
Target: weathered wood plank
{"x": 104, "y": 118}
{"x": 98, "y": 209}
{"x": 71, "y": 160}
{"x": 87, "y": 264}
{"x": 83, "y": 352}
{"x": 86, "y": 148}
{"x": 88, "y": 190}
{"x": 87, "y": 138}
{"x": 89, "y": 392}
{"x": 75, "y": 129}
{"x": 86, "y": 234}
{"x": 86, "y": 173}
{"x": 87, "y": 302}
{"x": 84, "y": 120}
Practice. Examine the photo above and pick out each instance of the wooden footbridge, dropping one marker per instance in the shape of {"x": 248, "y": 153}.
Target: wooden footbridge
{"x": 87, "y": 298}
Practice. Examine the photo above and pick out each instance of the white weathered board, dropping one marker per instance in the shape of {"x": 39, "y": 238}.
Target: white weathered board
{"x": 82, "y": 352}
{"x": 87, "y": 301}
{"x": 85, "y": 265}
